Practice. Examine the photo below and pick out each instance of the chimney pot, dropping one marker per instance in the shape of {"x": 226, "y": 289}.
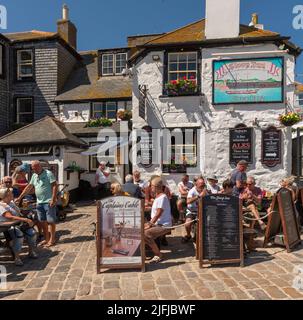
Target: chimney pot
{"x": 65, "y": 12}
{"x": 66, "y": 29}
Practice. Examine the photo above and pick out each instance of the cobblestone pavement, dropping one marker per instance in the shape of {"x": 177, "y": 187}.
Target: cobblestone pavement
{"x": 68, "y": 271}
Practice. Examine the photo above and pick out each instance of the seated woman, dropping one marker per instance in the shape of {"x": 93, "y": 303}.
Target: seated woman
{"x": 117, "y": 190}
{"x": 160, "y": 219}
{"x": 9, "y": 212}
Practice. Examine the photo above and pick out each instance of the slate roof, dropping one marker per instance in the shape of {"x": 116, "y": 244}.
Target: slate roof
{"x": 44, "y": 131}
{"x": 195, "y": 33}
{"x": 84, "y": 83}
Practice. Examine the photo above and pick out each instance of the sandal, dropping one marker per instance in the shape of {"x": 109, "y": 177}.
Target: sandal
{"x": 186, "y": 239}
{"x": 156, "y": 259}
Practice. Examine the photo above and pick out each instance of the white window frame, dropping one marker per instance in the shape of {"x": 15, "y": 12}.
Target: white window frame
{"x": 18, "y": 113}
{"x": 114, "y": 55}
{"x": 21, "y": 63}
{"x": 29, "y": 152}
{"x": 106, "y": 110}
{"x": 179, "y": 150}
{"x": 116, "y": 60}
{"x": 93, "y": 109}
{"x": 187, "y": 71}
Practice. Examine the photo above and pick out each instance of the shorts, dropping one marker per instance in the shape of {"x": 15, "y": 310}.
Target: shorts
{"x": 191, "y": 215}
{"x": 46, "y": 213}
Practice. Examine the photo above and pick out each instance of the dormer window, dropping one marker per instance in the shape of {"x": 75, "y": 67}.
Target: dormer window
{"x": 25, "y": 64}
{"x": 113, "y": 64}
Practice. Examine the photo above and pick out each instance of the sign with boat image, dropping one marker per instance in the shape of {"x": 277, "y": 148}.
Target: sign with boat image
{"x": 258, "y": 80}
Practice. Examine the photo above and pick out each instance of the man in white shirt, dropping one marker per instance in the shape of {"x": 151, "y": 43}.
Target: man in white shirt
{"x": 198, "y": 191}
{"x": 183, "y": 187}
{"x": 102, "y": 180}
{"x": 160, "y": 219}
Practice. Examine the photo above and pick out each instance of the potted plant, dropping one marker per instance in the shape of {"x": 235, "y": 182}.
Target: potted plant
{"x": 124, "y": 115}
{"x": 182, "y": 87}
{"x": 290, "y": 119}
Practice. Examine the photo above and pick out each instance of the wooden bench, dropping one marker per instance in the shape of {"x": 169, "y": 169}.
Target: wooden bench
{"x": 4, "y": 227}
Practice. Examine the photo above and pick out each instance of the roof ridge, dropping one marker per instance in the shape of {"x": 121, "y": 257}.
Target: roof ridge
{"x": 176, "y": 30}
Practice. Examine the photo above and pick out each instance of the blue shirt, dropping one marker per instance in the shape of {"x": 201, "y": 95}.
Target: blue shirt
{"x": 43, "y": 186}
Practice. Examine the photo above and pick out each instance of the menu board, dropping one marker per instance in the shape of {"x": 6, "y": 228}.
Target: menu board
{"x": 289, "y": 219}
{"x": 271, "y": 147}
{"x": 221, "y": 231}
{"x": 240, "y": 145}
{"x": 120, "y": 233}
{"x": 283, "y": 219}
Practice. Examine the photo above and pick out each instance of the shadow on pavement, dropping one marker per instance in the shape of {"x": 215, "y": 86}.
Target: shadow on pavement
{"x": 4, "y": 294}
{"x": 76, "y": 239}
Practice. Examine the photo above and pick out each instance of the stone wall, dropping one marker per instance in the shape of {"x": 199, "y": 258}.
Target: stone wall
{"x": 215, "y": 121}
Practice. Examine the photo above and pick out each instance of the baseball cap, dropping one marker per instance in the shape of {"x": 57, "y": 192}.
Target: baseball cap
{"x": 243, "y": 163}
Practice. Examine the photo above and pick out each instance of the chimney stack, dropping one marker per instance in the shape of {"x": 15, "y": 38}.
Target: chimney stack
{"x": 66, "y": 29}
{"x": 222, "y": 19}
{"x": 255, "y": 21}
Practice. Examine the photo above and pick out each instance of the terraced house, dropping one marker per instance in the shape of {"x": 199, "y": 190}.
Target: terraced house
{"x": 51, "y": 93}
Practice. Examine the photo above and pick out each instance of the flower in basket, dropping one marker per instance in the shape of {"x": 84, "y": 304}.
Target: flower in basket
{"x": 182, "y": 86}
{"x": 99, "y": 122}
{"x": 290, "y": 118}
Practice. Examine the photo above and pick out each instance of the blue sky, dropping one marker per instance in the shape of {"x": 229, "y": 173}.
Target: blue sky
{"x": 105, "y": 24}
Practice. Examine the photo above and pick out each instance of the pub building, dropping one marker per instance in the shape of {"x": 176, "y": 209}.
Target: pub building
{"x": 226, "y": 83}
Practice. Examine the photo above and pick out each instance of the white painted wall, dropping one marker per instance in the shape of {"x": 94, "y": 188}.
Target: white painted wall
{"x": 215, "y": 121}
{"x": 74, "y": 112}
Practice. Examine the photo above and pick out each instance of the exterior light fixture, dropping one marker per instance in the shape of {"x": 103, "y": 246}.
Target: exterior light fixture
{"x": 57, "y": 152}
{"x": 156, "y": 57}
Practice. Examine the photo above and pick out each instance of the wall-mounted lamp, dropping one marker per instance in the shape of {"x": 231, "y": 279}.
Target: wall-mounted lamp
{"x": 255, "y": 122}
{"x": 57, "y": 152}
{"x": 156, "y": 57}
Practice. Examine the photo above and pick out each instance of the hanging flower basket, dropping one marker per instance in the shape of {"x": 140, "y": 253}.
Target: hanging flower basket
{"x": 182, "y": 87}
{"x": 289, "y": 119}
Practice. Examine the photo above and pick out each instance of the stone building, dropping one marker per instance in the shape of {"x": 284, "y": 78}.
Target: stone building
{"x": 239, "y": 79}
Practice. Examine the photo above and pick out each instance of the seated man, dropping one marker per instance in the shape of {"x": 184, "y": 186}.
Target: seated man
{"x": 227, "y": 188}
{"x": 160, "y": 219}
{"x": 183, "y": 187}
{"x": 252, "y": 199}
{"x": 192, "y": 206}
{"x": 132, "y": 189}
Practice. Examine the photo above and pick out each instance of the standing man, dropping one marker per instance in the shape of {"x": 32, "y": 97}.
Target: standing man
{"x": 238, "y": 176}
{"x": 183, "y": 187}
{"x": 46, "y": 189}
{"x": 132, "y": 189}
{"x": 102, "y": 180}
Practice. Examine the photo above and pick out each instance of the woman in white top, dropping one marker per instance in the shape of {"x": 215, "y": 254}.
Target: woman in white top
{"x": 10, "y": 212}
{"x": 160, "y": 219}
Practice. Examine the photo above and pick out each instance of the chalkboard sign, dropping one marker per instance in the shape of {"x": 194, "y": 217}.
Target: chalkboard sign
{"x": 289, "y": 220}
{"x": 120, "y": 234}
{"x": 221, "y": 230}
{"x": 240, "y": 145}
{"x": 283, "y": 218}
{"x": 274, "y": 225}
{"x": 271, "y": 147}
{"x": 146, "y": 143}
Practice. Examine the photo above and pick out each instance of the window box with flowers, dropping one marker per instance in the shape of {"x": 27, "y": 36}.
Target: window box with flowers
{"x": 99, "y": 122}
{"x": 182, "y": 87}
{"x": 289, "y": 119}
